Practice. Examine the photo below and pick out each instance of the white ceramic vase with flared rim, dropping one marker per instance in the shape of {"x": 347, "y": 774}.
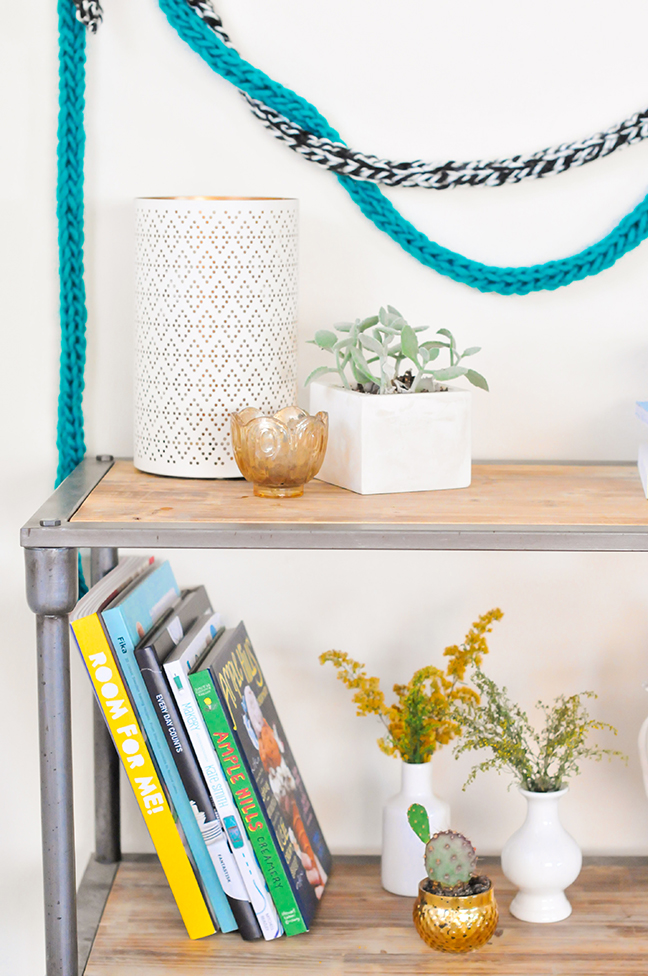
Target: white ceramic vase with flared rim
{"x": 401, "y": 863}
{"x": 541, "y": 859}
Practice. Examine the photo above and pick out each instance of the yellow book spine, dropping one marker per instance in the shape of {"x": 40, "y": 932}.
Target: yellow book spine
{"x": 130, "y": 744}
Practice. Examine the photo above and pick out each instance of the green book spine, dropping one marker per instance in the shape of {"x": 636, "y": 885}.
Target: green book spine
{"x": 252, "y": 811}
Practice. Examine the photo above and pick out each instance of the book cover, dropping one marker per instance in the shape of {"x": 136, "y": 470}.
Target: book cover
{"x": 178, "y": 620}
{"x": 97, "y": 654}
{"x": 146, "y": 654}
{"x": 641, "y": 410}
{"x": 176, "y": 667}
{"x": 127, "y": 620}
{"x": 264, "y": 747}
{"x": 642, "y": 464}
{"x": 281, "y": 867}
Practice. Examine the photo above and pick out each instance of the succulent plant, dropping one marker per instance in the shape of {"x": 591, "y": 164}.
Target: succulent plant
{"x": 450, "y": 858}
{"x": 387, "y": 340}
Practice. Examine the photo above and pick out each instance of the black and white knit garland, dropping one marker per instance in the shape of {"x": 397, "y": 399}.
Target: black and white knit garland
{"x": 89, "y": 12}
{"x": 339, "y": 158}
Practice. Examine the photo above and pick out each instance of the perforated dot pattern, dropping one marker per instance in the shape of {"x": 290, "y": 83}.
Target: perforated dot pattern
{"x": 216, "y": 326}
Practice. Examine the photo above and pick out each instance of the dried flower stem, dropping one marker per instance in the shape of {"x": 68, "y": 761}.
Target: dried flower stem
{"x": 424, "y": 715}
{"x": 541, "y": 761}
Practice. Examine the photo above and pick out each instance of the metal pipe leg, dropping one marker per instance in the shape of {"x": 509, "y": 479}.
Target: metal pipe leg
{"x": 106, "y": 760}
{"x": 102, "y": 560}
{"x": 51, "y": 594}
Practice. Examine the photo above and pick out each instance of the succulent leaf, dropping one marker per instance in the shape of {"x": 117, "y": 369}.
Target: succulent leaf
{"x": 476, "y": 379}
{"x": 368, "y": 323}
{"x": 446, "y": 332}
{"x": 419, "y": 821}
{"x": 450, "y": 858}
{"x": 325, "y": 339}
{"x": 409, "y": 343}
{"x": 449, "y": 373}
{"x": 372, "y": 344}
{"x": 362, "y": 367}
{"x": 320, "y": 371}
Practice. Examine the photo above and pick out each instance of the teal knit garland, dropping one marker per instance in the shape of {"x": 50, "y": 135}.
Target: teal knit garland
{"x": 70, "y": 439}
{"x": 630, "y": 232}
{"x": 69, "y": 210}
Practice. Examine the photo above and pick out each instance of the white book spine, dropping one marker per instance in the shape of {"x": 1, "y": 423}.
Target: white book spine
{"x": 219, "y": 789}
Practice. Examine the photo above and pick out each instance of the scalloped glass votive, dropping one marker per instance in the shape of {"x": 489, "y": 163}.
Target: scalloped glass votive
{"x": 279, "y": 453}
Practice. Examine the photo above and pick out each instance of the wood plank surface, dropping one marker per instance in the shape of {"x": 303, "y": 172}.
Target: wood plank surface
{"x": 362, "y": 930}
{"x": 500, "y": 494}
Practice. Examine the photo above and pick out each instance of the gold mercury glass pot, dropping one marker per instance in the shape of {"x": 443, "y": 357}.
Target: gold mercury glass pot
{"x": 279, "y": 453}
{"x": 455, "y": 924}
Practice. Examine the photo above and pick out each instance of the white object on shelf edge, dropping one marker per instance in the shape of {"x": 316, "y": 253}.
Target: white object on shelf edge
{"x": 395, "y": 442}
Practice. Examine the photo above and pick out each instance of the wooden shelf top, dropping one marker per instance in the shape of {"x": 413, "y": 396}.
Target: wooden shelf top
{"x": 500, "y": 495}
{"x": 362, "y": 930}
{"x": 577, "y": 507}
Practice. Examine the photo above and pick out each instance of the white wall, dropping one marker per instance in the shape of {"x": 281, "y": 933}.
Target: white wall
{"x": 433, "y": 80}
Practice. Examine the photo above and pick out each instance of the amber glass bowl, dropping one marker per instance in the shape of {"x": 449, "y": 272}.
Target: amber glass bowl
{"x": 279, "y": 454}
{"x": 455, "y": 924}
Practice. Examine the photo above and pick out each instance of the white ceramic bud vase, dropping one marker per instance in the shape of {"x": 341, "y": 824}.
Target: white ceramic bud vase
{"x": 402, "y": 864}
{"x": 541, "y": 859}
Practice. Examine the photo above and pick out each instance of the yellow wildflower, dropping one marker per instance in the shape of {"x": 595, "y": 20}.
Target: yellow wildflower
{"x": 422, "y": 718}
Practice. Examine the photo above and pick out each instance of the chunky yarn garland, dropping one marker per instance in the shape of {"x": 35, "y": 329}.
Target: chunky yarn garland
{"x": 338, "y": 158}
{"x": 89, "y": 12}
{"x": 70, "y": 439}
{"x": 69, "y": 210}
{"x": 223, "y": 58}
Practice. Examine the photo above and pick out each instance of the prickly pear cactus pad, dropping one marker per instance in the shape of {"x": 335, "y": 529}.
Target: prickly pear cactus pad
{"x": 419, "y": 821}
{"x": 450, "y": 858}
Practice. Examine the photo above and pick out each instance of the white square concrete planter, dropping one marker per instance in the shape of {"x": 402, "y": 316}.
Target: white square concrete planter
{"x": 395, "y": 442}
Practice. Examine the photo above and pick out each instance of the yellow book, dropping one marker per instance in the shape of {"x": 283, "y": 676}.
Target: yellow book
{"x": 131, "y": 746}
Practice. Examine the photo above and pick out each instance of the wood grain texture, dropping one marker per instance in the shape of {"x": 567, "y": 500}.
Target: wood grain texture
{"x": 361, "y": 930}
{"x": 500, "y": 494}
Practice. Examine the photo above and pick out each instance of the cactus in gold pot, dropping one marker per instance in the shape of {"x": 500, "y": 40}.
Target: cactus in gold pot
{"x": 456, "y": 909}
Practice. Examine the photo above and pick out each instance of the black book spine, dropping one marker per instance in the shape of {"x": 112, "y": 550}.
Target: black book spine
{"x": 192, "y": 779}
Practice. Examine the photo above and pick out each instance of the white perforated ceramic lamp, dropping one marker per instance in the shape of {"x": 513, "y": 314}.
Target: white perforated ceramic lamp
{"x": 216, "y": 326}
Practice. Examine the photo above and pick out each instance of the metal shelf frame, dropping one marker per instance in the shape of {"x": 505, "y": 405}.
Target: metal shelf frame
{"x": 51, "y": 539}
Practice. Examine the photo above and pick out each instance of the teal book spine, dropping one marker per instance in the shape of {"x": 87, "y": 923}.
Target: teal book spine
{"x": 126, "y": 623}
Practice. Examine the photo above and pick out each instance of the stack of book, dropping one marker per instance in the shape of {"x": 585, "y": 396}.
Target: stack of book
{"x": 196, "y": 729}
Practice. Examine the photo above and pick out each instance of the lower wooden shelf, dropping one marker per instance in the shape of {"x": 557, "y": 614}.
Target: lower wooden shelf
{"x": 363, "y": 931}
